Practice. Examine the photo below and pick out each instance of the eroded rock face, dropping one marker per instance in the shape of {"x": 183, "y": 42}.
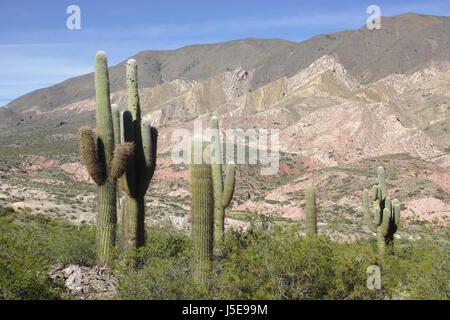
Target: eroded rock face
{"x": 86, "y": 283}
{"x": 77, "y": 171}
{"x": 236, "y": 83}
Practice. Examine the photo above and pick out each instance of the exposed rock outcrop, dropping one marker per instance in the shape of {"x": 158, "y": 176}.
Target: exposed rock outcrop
{"x": 86, "y": 283}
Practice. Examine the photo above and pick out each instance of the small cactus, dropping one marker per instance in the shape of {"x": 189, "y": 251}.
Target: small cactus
{"x": 311, "y": 211}
{"x": 223, "y": 192}
{"x": 386, "y": 214}
{"x": 105, "y": 161}
{"x": 202, "y": 211}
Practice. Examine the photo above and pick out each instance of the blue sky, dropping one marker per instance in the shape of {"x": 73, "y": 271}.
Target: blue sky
{"x": 37, "y": 50}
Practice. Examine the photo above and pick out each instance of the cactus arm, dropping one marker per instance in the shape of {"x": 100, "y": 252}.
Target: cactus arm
{"x": 126, "y": 127}
{"x": 89, "y": 154}
{"x": 388, "y": 205}
{"x": 375, "y": 192}
{"x": 116, "y": 123}
{"x": 127, "y": 182}
{"x": 378, "y": 200}
{"x": 379, "y": 193}
{"x": 228, "y": 189}
{"x": 202, "y": 213}
{"x": 396, "y": 215}
{"x": 385, "y": 222}
{"x": 149, "y": 140}
{"x": 311, "y": 211}
{"x": 369, "y": 222}
{"x": 382, "y": 182}
{"x": 132, "y": 89}
{"x": 215, "y": 141}
{"x": 122, "y": 154}
{"x": 377, "y": 216}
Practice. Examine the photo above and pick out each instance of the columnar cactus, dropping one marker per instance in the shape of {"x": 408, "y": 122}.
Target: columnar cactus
{"x": 202, "y": 210}
{"x": 223, "y": 192}
{"x": 311, "y": 211}
{"x": 387, "y": 214}
{"x": 116, "y": 126}
{"x": 140, "y": 171}
{"x": 121, "y": 213}
{"x": 104, "y": 161}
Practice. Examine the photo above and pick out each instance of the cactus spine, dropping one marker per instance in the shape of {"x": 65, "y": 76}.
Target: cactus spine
{"x": 223, "y": 192}
{"x": 139, "y": 173}
{"x": 311, "y": 211}
{"x": 103, "y": 161}
{"x": 202, "y": 210}
{"x": 387, "y": 214}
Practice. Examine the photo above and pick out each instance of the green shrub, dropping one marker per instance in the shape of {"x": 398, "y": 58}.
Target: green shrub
{"x": 30, "y": 245}
{"x": 278, "y": 263}
{"x": 265, "y": 261}
{"x": 21, "y": 267}
{"x": 163, "y": 271}
{"x": 260, "y": 263}
{"x": 424, "y": 268}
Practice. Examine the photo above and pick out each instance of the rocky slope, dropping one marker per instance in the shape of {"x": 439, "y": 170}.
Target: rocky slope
{"x": 343, "y": 104}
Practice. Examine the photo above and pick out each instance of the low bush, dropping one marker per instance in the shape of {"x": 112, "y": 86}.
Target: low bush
{"x": 264, "y": 261}
{"x": 30, "y": 245}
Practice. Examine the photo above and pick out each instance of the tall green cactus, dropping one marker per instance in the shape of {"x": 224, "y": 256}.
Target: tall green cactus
{"x": 116, "y": 125}
{"x": 223, "y": 192}
{"x": 104, "y": 160}
{"x": 387, "y": 214}
{"x": 202, "y": 210}
{"x": 311, "y": 211}
{"x": 140, "y": 171}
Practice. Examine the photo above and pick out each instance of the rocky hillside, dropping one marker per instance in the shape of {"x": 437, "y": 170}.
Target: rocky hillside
{"x": 344, "y": 103}
{"x": 405, "y": 43}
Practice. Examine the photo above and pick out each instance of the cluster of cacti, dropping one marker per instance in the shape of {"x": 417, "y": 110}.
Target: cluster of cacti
{"x": 311, "y": 211}
{"x": 124, "y": 153}
{"x": 223, "y": 190}
{"x": 105, "y": 161}
{"x": 386, "y": 214}
{"x": 202, "y": 210}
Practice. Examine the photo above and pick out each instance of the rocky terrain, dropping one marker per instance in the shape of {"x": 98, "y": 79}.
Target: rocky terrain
{"x": 343, "y": 103}
{"x": 86, "y": 283}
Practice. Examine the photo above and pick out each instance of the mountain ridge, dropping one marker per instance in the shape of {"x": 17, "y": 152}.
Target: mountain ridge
{"x": 270, "y": 59}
